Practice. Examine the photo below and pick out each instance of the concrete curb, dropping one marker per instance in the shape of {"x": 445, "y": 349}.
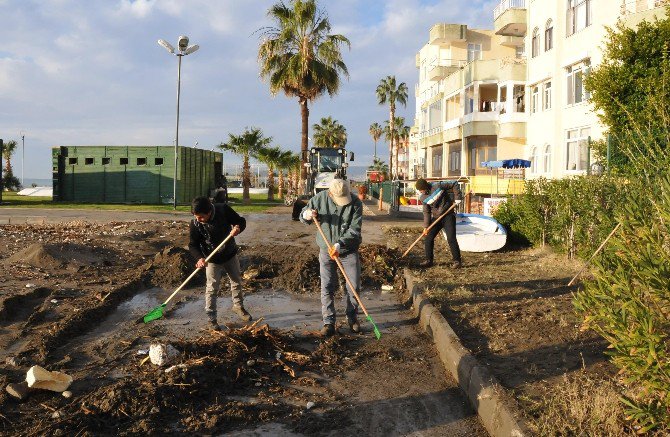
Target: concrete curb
{"x": 481, "y": 388}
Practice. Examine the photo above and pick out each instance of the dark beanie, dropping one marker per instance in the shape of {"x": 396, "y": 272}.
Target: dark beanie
{"x": 422, "y": 184}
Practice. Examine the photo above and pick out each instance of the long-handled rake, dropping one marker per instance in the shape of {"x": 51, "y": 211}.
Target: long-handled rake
{"x": 437, "y": 220}
{"x": 594, "y": 254}
{"x": 346, "y": 278}
{"x": 157, "y": 312}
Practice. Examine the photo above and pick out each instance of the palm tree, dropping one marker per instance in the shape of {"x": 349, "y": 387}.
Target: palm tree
{"x": 329, "y": 133}
{"x": 387, "y": 91}
{"x": 294, "y": 168}
{"x": 270, "y": 156}
{"x": 376, "y": 133}
{"x": 9, "y": 181}
{"x": 300, "y": 57}
{"x": 400, "y": 133}
{"x": 247, "y": 145}
{"x": 285, "y": 162}
{"x": 379, "y": 166}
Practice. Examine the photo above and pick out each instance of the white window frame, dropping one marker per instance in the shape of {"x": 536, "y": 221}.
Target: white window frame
{"x": 455, "y": 161}
{"x": 546, "y": 159}
{"x": 474, "y": 52}
{"x": 576, "y": 143}
{"x": 546, "y": 95}
{"x": 534, "y": 99}
{"x": 535, "y": 43}
{"x": 574, "y": 75}
{"x": 578, "y": 16}
{"x": 533, "y": 160}
{"x": 549, "y": 35}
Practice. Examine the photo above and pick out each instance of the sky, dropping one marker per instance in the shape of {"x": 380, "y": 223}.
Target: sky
{"x": 90, "y": 72}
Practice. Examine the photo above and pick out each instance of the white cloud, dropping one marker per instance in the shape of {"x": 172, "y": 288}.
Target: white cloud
{"x": 137, "y": 8}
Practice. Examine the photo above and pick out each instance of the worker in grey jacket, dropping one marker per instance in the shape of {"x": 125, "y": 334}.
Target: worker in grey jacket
{"x": 340, "y": 215}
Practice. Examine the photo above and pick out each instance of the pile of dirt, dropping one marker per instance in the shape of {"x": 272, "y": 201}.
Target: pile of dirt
{"x": 53, "y": 256}
{"x": 298, "y": 271}
{"x": 171, "y": 266}
{"x": 199, "y": 392}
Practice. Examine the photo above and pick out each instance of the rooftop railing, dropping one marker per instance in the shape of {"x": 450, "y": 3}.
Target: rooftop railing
{"x": 634, "y": 6}
{"x": 508, "y": 4}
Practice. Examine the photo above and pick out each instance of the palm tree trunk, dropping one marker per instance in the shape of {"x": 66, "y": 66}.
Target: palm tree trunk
{"x": 246, "y": 181}
{"x": 280, "y": 192}
{"x": 391, "y": 129}
{"x": 304, "y": 146}
{"x": 271, "y": 183}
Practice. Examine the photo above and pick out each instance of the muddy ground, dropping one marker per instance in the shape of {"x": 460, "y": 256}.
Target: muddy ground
{"x": 71, "y": 295}
{"x": 513, "y": 310}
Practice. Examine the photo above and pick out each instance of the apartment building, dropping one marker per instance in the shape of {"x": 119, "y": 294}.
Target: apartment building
{"x": 470, "y": 104}
{"x": 564, "y": 39}
{"x": 513, "y": 92}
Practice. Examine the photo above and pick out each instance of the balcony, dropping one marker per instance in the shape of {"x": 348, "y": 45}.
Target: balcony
{"x": 445, "y": 34}
{"x": 511, "y": 41}
{"x": 634, "y": 6}
{"x": 443, "y": 68}
{"x": 509, "y": 18}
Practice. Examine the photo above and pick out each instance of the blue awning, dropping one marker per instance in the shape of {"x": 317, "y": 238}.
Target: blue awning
{"x": 507, "y": 163}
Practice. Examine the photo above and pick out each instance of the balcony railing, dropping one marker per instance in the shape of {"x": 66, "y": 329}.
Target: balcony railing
{"x": 427, "y": 133}
{"x": 508, "y": 4}
{"x": 634, "y": 6}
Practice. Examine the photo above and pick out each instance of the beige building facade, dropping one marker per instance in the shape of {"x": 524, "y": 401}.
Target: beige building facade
{"x": 513, "y": 92}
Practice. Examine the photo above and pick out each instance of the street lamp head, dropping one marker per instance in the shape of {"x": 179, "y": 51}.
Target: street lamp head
{"x": 191, "y": 49}
{"x": 182, "y": 42}
{"x": 167, "y": 45}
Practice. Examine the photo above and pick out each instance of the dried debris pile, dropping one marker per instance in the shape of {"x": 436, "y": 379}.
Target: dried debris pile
{"x": 199, "y": 392}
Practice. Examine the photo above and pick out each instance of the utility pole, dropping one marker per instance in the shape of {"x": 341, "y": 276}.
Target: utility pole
{"x": 2, "y": 146}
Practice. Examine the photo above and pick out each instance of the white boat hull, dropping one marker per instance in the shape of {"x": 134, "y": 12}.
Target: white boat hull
{"x": 478, "y": 233}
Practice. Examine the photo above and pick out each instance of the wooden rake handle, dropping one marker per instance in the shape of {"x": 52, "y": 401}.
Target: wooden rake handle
{"x": 196, "y": 270}
{"x": 339, "y": 264}
{"x": 437, "y": 220}
{"x": 594, "y": 254}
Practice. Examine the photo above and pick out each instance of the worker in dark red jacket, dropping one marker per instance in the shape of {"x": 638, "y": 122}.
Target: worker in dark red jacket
{"x": 211, "y": 224}
{"x": 438, "y": 198}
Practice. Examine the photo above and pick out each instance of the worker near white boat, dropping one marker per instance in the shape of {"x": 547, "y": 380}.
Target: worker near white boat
{"x": 437, "y": 198}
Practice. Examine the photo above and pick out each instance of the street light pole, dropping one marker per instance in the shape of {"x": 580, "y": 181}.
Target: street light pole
{"x": 183, "y": 50}
{"x": 23, "y": 157}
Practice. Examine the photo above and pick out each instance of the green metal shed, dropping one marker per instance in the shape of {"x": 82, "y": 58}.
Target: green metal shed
{"x": 133, "y": 174}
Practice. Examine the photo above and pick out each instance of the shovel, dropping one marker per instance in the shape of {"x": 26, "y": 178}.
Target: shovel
{"x": 157, "y": 312}
{"x": 346, "y": 278}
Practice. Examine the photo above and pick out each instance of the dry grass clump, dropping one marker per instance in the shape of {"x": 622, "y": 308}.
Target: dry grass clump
{"x": 581, "y": 406}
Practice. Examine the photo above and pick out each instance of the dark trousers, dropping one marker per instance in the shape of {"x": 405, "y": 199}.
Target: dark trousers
{"x": 449, "y": 226}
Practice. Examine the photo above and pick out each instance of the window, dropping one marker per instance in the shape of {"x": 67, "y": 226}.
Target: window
{"x": 437, "y": 162}
{"x": 481, "y": 149}
{"x": 106, "y": 161}
{"x": 549, "y": 36}
{"x": 578, "y": 15}
{"x": 158, "y": 161}
{"x": 547, "y": 158}
{"x": 89, "y": 161}
{"x": 123, "y": 161}
{"x": 469, "y": 100}
{"x": 519, "y": 98}
{"x": 533, "y": 160}
{"x": 535, "y": 43}
{"x": 474, "y": 52}
{"x": 575, "y": 83}
{"x": 534, "y": 99}
{"x": 141, "y": 161}
{"x": 546, "y": 95}
{"x": 577, "y": 149}
{"x": 72, "y": 161}
{"x": 455, "y": 161}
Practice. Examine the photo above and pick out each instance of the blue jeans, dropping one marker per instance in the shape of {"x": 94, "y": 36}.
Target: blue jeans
{"x": 329, "y": 284}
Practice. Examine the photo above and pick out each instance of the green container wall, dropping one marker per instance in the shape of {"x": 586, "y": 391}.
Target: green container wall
{"x": 132, "y": 174}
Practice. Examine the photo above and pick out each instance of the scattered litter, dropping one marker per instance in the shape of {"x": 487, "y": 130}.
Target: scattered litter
{"x": 387, "y": 287}
{"x": 310, "y": 405}
{"x": 251, "y": 273}
{"x": 155, "y": 410}
{"x": 251, "y": 363}
{"x": 31, "y": 285}
{"x": 54, "y": 301}
{"x": 67, "y": 394}
{"x": 56, "y": 415}
{"x": 12, "y": 361}
{"x": 142, "y": 352}
{"x": 161, "y": 354}
{"x": 39, "y": 377}
{"x": 258, "y": 384}
{"x": 278, "y": 356}
{"x": 178, "y": 366}
{"x": 18, "y": 390}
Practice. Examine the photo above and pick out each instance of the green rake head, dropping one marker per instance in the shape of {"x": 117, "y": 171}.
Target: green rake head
{"x": 374, "y": 327}
{"x": 154, "y": 314}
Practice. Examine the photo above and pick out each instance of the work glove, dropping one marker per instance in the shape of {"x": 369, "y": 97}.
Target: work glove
{"x": 235, "y": 230}
{"x": 310, "y": 214}
{"x": 334, "y": 251}
{"x": 425, "y": 232}
{"x": 458, "y": 201}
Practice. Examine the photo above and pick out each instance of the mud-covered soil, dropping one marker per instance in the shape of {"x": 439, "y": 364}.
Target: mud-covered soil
{"x": 513, "y": 310}
{"x": 61, "y": 287}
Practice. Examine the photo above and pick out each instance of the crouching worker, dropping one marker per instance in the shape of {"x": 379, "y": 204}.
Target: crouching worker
{"x": 340, "y": 215}
{"x": 211, "y": 224}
